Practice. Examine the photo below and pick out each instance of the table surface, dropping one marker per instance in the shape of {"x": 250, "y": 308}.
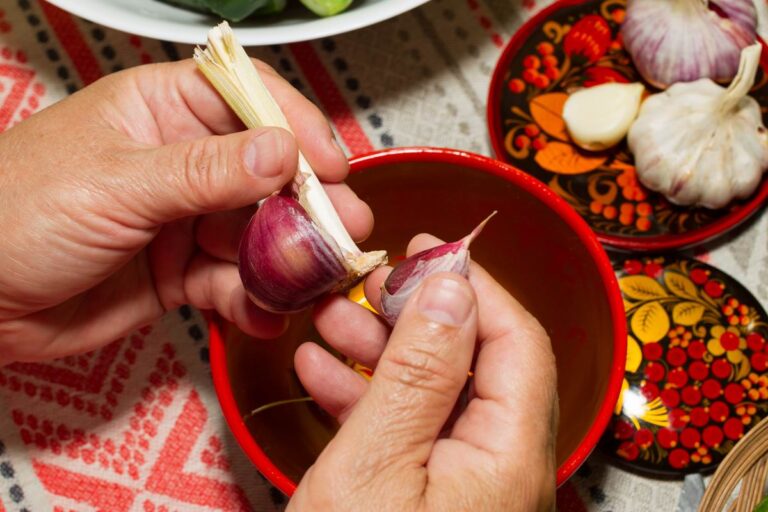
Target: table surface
{"x": 136, "y": 426}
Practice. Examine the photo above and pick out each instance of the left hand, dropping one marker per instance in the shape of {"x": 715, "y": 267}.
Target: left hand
{"x": 128, "y": 199}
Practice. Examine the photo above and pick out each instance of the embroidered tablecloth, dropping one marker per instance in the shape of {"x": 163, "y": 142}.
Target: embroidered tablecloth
{"x": 136, "y": 425}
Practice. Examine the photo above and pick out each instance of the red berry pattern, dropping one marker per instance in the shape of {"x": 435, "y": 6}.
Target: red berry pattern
{"x": 574, "y": 50}
{"x": 706, "y": 383}
{"x": 668, "y": 438}
{"x": 540, "y": 69}
{"x": 632, "y": 210}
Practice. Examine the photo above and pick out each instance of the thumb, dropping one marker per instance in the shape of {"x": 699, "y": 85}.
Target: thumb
{"x": 212, "y": 173}
{"x": 418, "y": 378}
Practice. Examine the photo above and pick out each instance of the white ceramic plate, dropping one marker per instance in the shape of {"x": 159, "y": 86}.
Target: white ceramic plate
{"x": 158, "y": 20}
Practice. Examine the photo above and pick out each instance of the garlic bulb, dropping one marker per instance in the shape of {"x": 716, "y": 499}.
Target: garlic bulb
{"x": 701, "y": 144}
{"x": 674, "y": 41}
{"x": 598, "y": 118}
{"x": 406, "y": 277}
{"x": 295, "y": 247}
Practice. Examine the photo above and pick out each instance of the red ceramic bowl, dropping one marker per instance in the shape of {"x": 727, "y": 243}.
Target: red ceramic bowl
{"x": 537, "y": 246}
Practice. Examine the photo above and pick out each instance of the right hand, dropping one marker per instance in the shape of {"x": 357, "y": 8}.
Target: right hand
{"x": 403, "y": 444}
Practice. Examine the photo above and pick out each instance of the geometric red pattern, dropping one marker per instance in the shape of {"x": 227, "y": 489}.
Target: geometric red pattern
{"x": 14, "y": 82}
{"x": 155, "y": 450}
{"x": 98, "y": 493}
{"x": 168, "y": 476}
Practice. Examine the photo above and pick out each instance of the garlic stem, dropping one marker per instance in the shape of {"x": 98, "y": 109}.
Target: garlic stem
{"x": 745, "y": 77}
{"x": 230, "y": 70}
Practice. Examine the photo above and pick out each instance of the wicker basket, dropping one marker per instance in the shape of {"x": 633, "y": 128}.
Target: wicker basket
{"x": 747, "y": 463}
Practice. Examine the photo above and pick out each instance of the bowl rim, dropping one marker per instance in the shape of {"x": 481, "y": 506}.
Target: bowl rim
{"x": 657, "y": 243}
{"x": 531, "y": 185}
{"x": 183, "y": 33}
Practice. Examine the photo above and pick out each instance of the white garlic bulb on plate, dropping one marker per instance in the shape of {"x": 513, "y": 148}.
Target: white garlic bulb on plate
{"x": 701, "y": 144}
{"x": 674, "y": 41}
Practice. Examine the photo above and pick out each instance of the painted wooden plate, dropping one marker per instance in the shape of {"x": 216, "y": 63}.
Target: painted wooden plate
{"x": 696, "y": 379}
{"x": 574, "y": 44}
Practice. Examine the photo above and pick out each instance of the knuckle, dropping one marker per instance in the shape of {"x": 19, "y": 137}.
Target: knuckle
{"x": 422, "y": 366}
{"x": 202, "y": 166}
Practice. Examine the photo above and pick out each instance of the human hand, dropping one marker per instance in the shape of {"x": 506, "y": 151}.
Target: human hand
{"x": 403, "y": 444}
{"x": 129, "y": 198}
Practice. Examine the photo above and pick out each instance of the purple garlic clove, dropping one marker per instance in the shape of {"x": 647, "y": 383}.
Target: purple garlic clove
{"x": 285, "y": 263}
{"x": 296, "y": 247}
{"x": 406, "y": 277}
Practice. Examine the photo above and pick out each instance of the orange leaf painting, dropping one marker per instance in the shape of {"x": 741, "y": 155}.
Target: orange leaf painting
{"x": 562, "y": 158}
{"x": 547, "y": 111}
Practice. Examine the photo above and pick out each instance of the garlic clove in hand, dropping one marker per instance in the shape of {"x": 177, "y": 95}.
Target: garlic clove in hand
{"x": 295, "y": 248}
{"x": 674, "y": 41}
{"x": 599, "y": 117}
{"x": 406, "y": 277}
{"x": 701, "y": 144}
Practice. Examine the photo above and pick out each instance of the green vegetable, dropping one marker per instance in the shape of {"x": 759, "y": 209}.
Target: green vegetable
{"x": 272, "y": 7}
{"x": 326, "y": 7}
{"x": 763, "y": 506}
{"x": 238, "y": 10}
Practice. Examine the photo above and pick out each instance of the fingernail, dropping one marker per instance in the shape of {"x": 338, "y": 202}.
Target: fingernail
{"x": 264, "y": 154}
{"x": 445, "y": 301}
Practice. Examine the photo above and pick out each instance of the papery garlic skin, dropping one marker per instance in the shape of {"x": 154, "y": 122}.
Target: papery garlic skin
{"x": 598, "y": 118}
{"x": 408, "y": 275}
{"x": 700, "y": 144}
{"x": 674, "y": 41}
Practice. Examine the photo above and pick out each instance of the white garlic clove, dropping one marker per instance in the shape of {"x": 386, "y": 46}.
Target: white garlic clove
{"x": 701, "y": 144}
{"x": 599, "y": 117}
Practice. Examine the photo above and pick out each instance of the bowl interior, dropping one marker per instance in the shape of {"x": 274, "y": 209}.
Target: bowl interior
{"x": 528, "y": 247}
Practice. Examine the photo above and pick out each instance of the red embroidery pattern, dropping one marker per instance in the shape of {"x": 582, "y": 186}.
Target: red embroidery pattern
{"x": 5, "y": 27}
{"x": 18, "y": 92}
{"x": 138, "y": 44}
{"x": 55, "y": 405}
{"x": 329, "y": 95}
{"x": 486, "y": 23}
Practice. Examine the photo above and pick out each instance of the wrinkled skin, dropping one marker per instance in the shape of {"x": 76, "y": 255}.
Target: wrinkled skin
{"x": 403, "y": 445}
{"x": 128, "y": 199}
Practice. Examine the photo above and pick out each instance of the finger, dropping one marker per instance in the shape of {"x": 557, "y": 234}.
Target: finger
{"x": 515, "y": 377}
{"x": 191, "y": 90}
{"x": 205, "y": 175}
{"x": 418, "y": 379}
{"x": 351, "y": 329}
{"x": 215, "y": 284}
{"x": 219, "y": 233}
{"x": 354, "y": 212}
{"x": 502, "y": 315}
{"x": 169, "y": 252}
{"x": 333, "y": 385}
{"x": 373, "y": 284}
